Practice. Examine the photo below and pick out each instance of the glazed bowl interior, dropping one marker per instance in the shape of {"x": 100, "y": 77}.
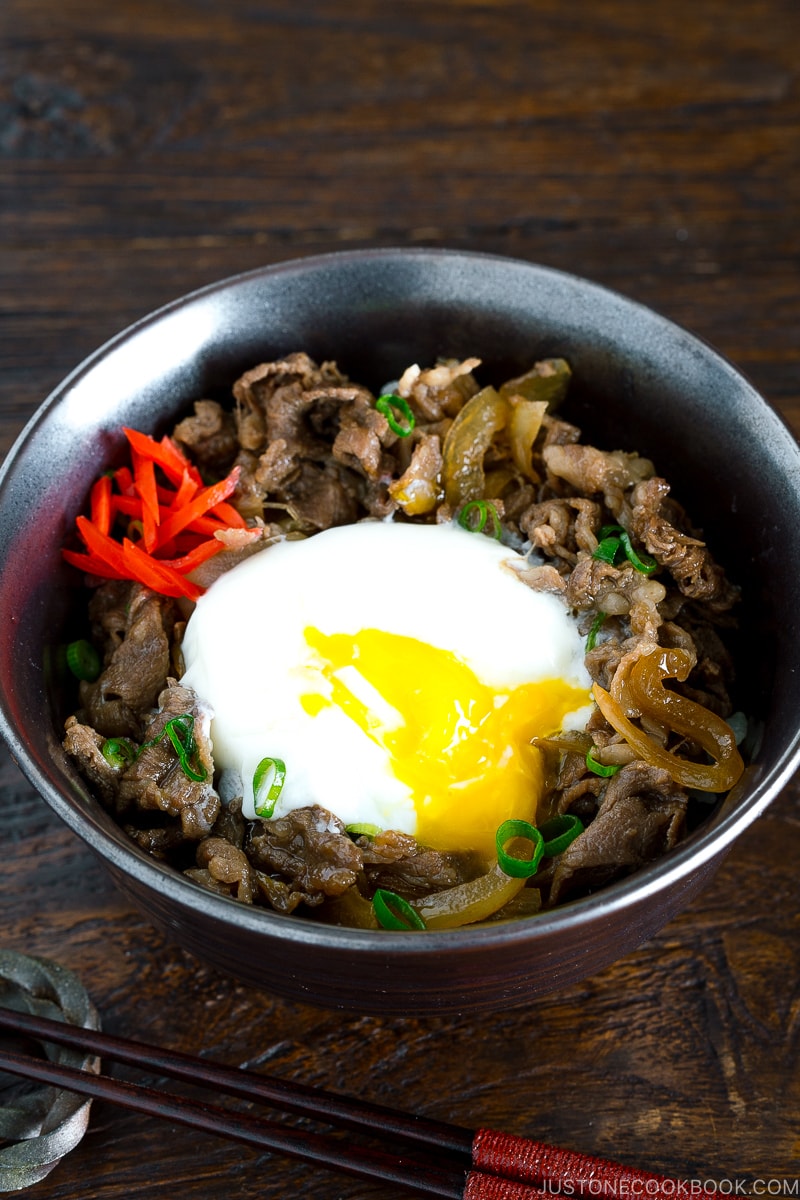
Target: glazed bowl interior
{"x": 640, "y": 383}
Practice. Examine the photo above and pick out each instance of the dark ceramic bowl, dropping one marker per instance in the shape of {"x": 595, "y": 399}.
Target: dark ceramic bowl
{"x": 640, "y": 383}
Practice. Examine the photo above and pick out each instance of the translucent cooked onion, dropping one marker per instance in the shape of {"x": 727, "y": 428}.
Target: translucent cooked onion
{"x": 469, "y": 902}
{"x": 465, "y": 446}
{"x": 524, "y": 424}
{"x": 646, "y": 691}
{"x": 464, "y": 904}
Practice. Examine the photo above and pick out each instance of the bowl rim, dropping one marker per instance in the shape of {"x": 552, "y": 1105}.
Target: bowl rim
{"x": 706, "y": 844}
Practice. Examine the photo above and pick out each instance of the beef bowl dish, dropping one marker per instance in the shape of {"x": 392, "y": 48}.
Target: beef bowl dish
{"x": 390, "y": 633}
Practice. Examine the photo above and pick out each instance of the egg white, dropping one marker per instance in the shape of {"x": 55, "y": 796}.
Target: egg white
{"x": 247, "y": 656}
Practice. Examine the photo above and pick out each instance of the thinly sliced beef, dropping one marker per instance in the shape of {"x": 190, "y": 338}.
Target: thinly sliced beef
{"x": 309, "y": 848}
{"x": 560, "y": 528}
{"x": 321, "y": 497}
{"x": 118, "y": 703}
{"x": 641, "y": 816}
{"x": 259, "y": 417}
{"x": 157, "y": 782}
{"x": 398, "y": 863}
{"x": 686, "y": 558}
{"x": 209, "y": 437}
{"x": 223, "y": 868}
{"x": 83, "y": 744}
{"x": 440, "y": 391}
{"x": 108, "y": 614}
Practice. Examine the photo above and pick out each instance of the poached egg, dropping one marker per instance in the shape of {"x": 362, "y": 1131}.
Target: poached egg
{"x": 399, "y": 671}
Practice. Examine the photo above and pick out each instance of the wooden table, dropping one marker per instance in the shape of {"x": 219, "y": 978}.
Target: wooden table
{"x": 148, "y": 148}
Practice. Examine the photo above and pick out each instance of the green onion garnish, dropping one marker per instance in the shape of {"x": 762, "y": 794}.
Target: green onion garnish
{"x": 642, "y": 562}
{"x": 519, "y": 868}
{"x": 609, "y": 550}
{"x": 559, "y": 832}
{"x": 615, "y": 543}
{"x": 363, "y": 830}
{"x": 484, "y": 510}
{"x": 83, "y": 660}
{"x": 119, "y": 752}
{"x": 275, "y": 769}
{"x": 393, "y": 912}
{"x": 597, "y": 624}
{"x": 599, "y": 768}
{"x": 180, "y": 731}
{"x": 391, "y": 403}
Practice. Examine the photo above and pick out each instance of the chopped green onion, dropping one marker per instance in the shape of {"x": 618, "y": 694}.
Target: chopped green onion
{"x": 393, "y": 912}
{"x": 180, "y": 731}
{"x": 119, "y": 752}
{"x": 597, "y": 624}
{"x": 391, "y": 403}
{"x": 363, "y": 830}
{"x": 484, "y": 509}
{"x": 642, "y": 562}
{"x": 559, "y": 833}
{"x": 519, "y": 868}
{"x": 265, "y": 805}
{"x": 616, "y": 542}
{"x": 609, "y": 550}
{"x": 599, "y": 768}
{"x": 83, "y": 660}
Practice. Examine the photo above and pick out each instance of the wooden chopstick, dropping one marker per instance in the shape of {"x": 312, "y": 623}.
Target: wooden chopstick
{"x": 315, "y": 1148}
{"x": 285, "y": 1094}
{"x": 470, "y": 1165}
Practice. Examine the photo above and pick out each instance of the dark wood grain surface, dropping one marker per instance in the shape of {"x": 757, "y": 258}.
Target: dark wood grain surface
{"x": 148, "y": 147}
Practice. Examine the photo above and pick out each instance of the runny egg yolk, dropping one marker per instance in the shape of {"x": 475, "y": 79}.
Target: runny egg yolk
{"x": 462, "y": 748}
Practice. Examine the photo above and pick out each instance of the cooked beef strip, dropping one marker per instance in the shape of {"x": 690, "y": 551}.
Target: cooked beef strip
{"x": 156, "y": 780}
{"x": 686, "y": 558}
{"x": 223, "y": 863}
{"x": 209, "y": 437}
{"x": 278, "y": 894}
{"x": 118, "y": 702}
{"x": 592, "y": 472}
{"x": 308, "y": 847}
{"x": 641, "y": 816}
{"x": 321, "y": 497}
{"x": 260, "y": 418}
{"x": 397, "y": 862}
{"x": 439, "y": 391}
{"x": 560, "y": 528}
{"x": 363, "y": 433}
{"x": 162, "y": 841}
{"x": 543, "y": 578}
{"x": 83, "y": 744}
{"x": 108, "y": 615}
{"x": 231, "y": 824}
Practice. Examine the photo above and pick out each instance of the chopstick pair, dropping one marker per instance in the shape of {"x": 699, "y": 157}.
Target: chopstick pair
{"x": 470, "y": 1165}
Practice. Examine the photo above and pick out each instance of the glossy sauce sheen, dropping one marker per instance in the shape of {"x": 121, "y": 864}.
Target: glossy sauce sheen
{"x": 400, "y": 671}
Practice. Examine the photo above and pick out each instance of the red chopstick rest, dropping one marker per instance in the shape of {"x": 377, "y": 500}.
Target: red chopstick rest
{"x": 518, "y": 1158}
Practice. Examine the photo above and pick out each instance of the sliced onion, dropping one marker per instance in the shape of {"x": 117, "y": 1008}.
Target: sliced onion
{"x": 464, "y": 904}
{"x": 683, "y": 716}
{"x": 468, "y": 902}
{"x": 523, "y": 428}
{"x": 465, "y": 446}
